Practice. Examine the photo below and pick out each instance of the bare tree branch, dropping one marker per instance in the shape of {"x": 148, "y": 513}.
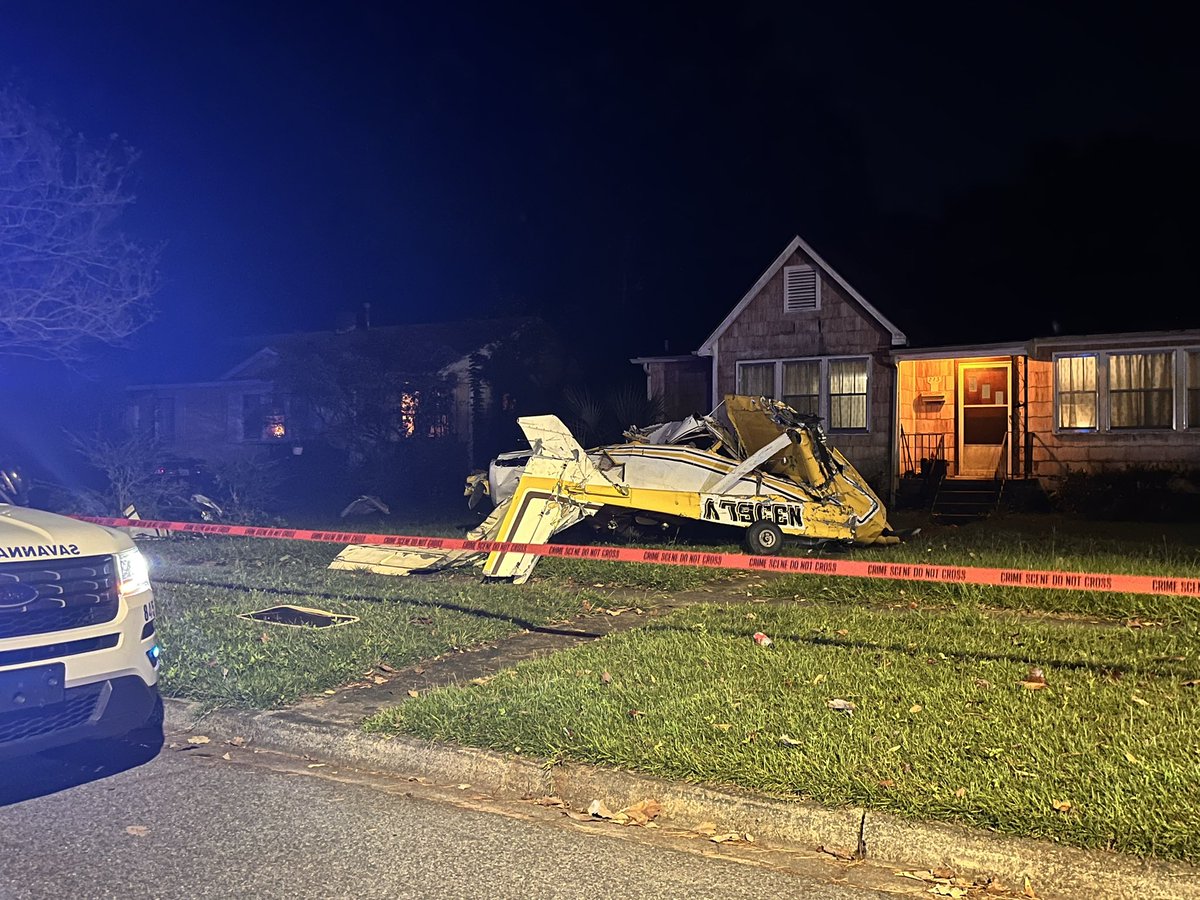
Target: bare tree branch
{"x": 68, "y": 276}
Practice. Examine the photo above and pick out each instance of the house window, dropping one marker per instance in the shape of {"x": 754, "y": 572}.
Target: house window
{"x": 802, "y": 386}
{"x": 1075, "y": 382}
{"x": 848, "y": 394}
{"x": 1141, "y": 390}
{"x": 756, "y": 379}
{"x": 834, "y": 389}
{"x": 263, "y": 418}
{"x": 1193, "y": 390}
{"x": 801, "y": 289}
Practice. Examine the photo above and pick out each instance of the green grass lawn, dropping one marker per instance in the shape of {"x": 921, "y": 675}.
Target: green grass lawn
{"x": 1106, "y": 755}
{"x": 202, "y": 585}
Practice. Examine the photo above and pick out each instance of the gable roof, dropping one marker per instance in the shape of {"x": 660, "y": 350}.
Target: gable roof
{"x": 898, "y": 337}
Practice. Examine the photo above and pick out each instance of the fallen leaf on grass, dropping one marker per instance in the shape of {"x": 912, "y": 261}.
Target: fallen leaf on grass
{"x": 1192, "y": 682}
{"x": 1034, "y": 681}
{"x": 379, "y": 679}
{"x": 199, "y": 739}
{"x": 137, "y": 830}
{"x": 843, "y": 706}
{"x": 915, "y": 708}
{"x": 414, "y": 694}
{"x": 1062, "y": 805}
{"x": 605, "y": 677}
{"x": 960, "y": 793}
{"x": 788, "y": 741}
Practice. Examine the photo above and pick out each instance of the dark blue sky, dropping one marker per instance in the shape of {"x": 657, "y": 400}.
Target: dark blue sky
{"x": 445, "y": 160}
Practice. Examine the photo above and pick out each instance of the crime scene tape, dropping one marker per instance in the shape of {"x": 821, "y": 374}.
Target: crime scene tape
{"x": 1028, "y": 578}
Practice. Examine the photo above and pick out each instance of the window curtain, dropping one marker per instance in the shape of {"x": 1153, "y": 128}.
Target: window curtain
{"x": 1140, "y": 390}
{"x": 1075, "y": 379}
{"x": 757, "y": 379}
{"x": 802, "y": 386}
{"x": 848, "y": 394}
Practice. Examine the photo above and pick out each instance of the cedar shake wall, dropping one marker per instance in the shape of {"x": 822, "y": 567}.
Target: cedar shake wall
{"x": 763, "y": 331}
{"x": 923, "y": 418}
{"x": 682, "y": 385}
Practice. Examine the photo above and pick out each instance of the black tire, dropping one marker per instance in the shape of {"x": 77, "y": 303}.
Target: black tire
{"x": 764, "y": 538}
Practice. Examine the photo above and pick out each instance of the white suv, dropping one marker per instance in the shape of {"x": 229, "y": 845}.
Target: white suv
{"x": 78, "y": 653}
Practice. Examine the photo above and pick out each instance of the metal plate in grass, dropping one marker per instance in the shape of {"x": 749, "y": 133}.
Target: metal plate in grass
{"x": 299, "y": 617}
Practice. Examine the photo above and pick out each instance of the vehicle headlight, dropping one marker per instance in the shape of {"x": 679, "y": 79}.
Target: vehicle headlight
{"x": 133, "y": 572}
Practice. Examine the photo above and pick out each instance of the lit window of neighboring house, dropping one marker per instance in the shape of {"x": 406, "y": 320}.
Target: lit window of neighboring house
{"x": 1118, "y": 391}
{"x": 834, "y": 389}
{"x": 1075, "y": 385}
{"x": 263, "y": 418}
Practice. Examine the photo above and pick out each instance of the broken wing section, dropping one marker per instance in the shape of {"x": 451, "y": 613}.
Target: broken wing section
{"x": 398, "y": 561}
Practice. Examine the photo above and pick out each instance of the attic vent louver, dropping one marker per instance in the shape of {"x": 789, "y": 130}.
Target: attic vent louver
{"x": 800, "y": 289}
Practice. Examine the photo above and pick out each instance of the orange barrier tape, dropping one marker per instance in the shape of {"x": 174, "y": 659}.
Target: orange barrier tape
{"x": 1081, "y": 581}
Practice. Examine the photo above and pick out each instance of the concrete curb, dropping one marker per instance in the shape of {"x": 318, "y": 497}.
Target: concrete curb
{"x": 1053, "y": 869}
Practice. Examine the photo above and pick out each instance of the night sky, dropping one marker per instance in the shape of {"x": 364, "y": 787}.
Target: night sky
{"x": 642, "y": 166}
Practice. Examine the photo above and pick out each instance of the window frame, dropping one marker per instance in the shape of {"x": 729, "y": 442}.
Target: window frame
{"x": 1098, "y": 407}
{"x": 1178, "y": 368}
{"x": 823, "y": 405}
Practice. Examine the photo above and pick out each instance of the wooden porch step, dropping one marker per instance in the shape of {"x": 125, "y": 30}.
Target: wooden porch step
{"x": 962, "y": 500}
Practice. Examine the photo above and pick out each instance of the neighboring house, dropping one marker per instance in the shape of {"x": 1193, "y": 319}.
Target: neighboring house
{"x": 1027, "y": 408}
{"x": 356, "y": 386}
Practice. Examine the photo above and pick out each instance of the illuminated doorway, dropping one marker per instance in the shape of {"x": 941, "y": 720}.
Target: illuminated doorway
{"x": 984, "y": 417}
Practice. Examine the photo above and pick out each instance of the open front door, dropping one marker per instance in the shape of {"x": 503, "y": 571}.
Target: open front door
{"x": 984, "y": 407}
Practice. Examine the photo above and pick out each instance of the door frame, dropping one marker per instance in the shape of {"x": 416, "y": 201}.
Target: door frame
{"x": 960, "y": 393}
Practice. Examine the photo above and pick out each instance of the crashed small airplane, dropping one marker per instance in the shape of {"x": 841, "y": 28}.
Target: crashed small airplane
{"x": 775, "y": 477}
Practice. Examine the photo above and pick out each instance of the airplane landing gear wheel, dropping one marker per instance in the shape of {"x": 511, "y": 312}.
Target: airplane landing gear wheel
{"x": 764, "y": 538}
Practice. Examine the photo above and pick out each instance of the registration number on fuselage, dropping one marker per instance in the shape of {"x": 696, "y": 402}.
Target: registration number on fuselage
{"x": 735, "y": 511}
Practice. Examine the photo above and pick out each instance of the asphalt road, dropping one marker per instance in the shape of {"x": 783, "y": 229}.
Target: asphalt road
{"x": 186, "y": 822}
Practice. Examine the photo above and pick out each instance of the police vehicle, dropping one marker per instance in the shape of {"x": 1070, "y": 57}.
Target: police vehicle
{"x": 78, "y": 653}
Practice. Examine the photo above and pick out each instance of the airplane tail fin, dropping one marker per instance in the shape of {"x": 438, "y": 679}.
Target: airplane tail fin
{"x": 542, "y": 505}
